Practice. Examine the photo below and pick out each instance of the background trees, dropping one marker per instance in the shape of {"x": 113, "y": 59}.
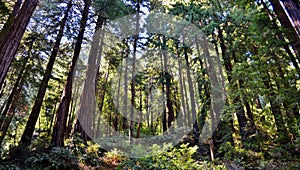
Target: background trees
{"x": 256, "y": 42}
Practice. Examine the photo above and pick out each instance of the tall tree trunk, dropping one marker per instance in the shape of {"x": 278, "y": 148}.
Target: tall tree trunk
{"x": 167, "y": 76}
{"x": 164, "y": 116}
{"x": 293, "y": 9}
{"x": 131, "y": 126}
{"x": 63, "y": 108}
{"x": 225, "y": 127}
{"x": 87, "y": 100}
{"x": 29, "y": 129}
{"x": 182, "y": 102}
{"x": 275, "y": 108}
{"x": 240, "y": 113}
{"x": 281, "y": 37}
{"x": 125, "y": 102}
{"x": 14, "y": 89}
{"x": 11, "y": 39}
{"x": 285, "y": 22}
{"x": 252, "y": 128}
{"x": 188, "y": 111}
{"x": 206, "y": 100}
{"x": 72, "y": 115}
{"x": 11, "y": 105}
{"x": 101, "y": 104}
{"x": 147, "y": 106}
{"x": 140, "y": 114}
{"x": 192, "y": 97}
{"x": 7, "y": 26}
{"x": 52, "y": 120}
{"x": 116, "y": 119}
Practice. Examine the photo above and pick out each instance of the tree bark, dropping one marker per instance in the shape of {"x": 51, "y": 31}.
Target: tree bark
{"x": 167, "y": 76}
{"x": 29, "y": 129}
{"x": 7, "y": 26}
{"x": 101, "y": 104}
{"x": 285, "y": 22}
{"x": 87, "y": 100}
{"x": 10, "y": 41}
{"x": 164, "y": 116}
{"x": 281, "y": 37}
{"x": 8, "y": 112}
{"x": 293, "y": 9}
{"x": 10, "y": 99}
{"x": 240, "y": 112}
{"x": 116, "y": 119}
{"x": 192, "y": 97}
{"x": 125, "y": 102}
{"x": 183, "y": 112}
{"x": 131, "y": 125}
{"x": 63, "y": 108}
{"x": 140, "y": 114}
{"x": 275, "y": 107}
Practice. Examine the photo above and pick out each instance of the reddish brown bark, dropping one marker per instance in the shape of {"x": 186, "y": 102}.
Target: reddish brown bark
{"x": 285, "y": 22}
{"x": 63, "y": 108}
{"x": 87, "y": 101}
{"x": 33, "y": 117}
{"x": 10, "y": 41}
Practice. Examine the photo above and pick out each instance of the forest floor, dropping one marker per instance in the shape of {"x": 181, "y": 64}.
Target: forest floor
{"x": 78, "y": 155}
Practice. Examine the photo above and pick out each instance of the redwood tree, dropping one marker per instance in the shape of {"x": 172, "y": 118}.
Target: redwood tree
{"x": 63, "y": 108}
{"x": 285, "y": 22}
{"x": 12, "y": 34}
{"x": 33, "y": 117}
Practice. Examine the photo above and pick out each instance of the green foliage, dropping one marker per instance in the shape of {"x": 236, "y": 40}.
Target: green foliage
{"x": 114, "y": 157}
{"x": 174, "y": 158}
{"x": 112, "y": 9}
{"x": 262, "y": 72}
{"x": 238, "y": 157}
{"x": 88, "y": 153}
{"x": 3, "y": 8}
{"x": 58, "y": 158}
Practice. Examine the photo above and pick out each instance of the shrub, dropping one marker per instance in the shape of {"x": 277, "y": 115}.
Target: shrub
{"x": 58, "y": 158}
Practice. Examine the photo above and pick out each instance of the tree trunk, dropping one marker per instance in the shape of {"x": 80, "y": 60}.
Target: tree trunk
{"x": 8, "y": 112}
{"x": 63, "y": 108}
{"x": 164, "y": 116}
{"x": 285, "y": 22}
{"x": 11, "y": 39}
{"x": 293, "y": 9}
{"x": 131, "y": 126}
{"x": 141, "y": 114}
{"x": 240, "y": 113}
{"x": 87, "y": 100}
{"x": 10, "y": 99}
{"x": 275, "y": 107}
{"x": 101, "y": 104}
{"x": 116, "y": 119}
{"x": 167, "y": 76}
{"x": 281, "y": 37}
{"x": 182, "y": 102}
{"x": 225, "y": 126}
{"x": 72, "y": 115}
{"x": 29, "y": 129}
{"x": 192, "y": 97}
{"x": 188, "y": 111}
{"x": 52, "y": 120}
{"x": 125, "y": 102}
{"x": 7, "y": 26}
{"x": 252, "y": 128}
